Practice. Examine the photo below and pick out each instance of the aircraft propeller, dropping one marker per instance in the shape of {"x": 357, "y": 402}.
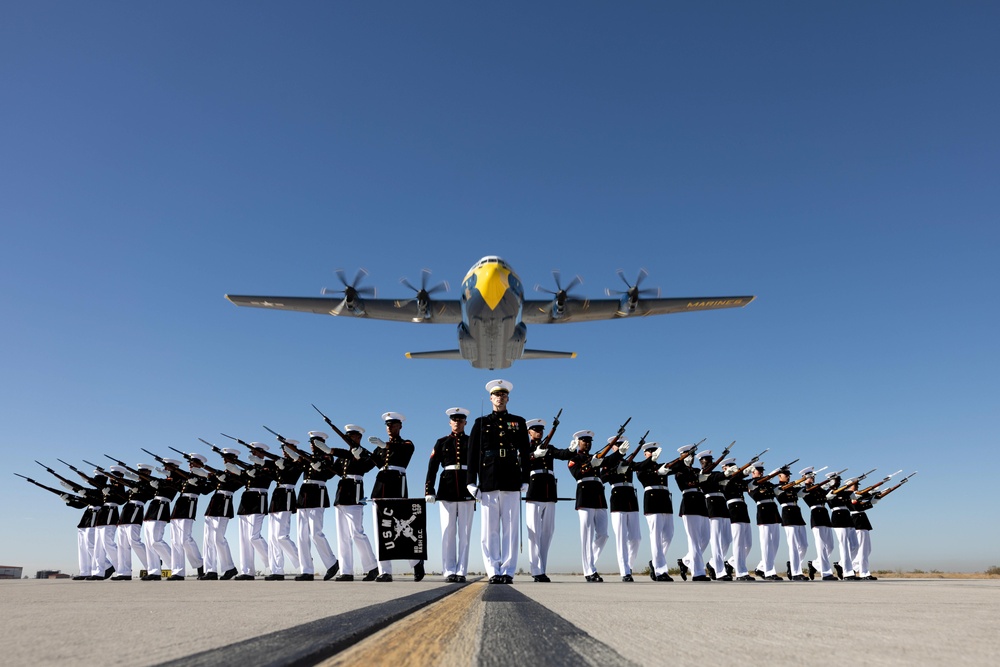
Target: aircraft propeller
{"x": 351, "y": 291}
{"x": 422, "y": 296}
{"x": 633, "y": 292}
{"x": 561, "y": 293}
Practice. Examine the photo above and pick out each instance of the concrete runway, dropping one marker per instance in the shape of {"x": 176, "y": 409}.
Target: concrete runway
{"x": 571, "y": 622}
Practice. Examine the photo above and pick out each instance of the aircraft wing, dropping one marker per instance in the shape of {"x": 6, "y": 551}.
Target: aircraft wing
{"x": 590, "y": 310}
{"x": 442, "y": 312}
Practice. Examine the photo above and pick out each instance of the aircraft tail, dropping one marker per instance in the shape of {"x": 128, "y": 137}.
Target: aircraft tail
{"x": 547, "y": 354}
{"x": 436, "y": 354}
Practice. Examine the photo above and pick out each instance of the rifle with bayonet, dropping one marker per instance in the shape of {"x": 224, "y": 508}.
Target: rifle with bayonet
{"x": 826, "y": 482}
{"x": 761, "y": 480}
{"x": 182, "y": 474}
{"x": 555, "y": 424}
{"x": 121, "y": 479}
{"x": 90, "y": 480}
{"x": 189, "y": 458}
{"x": 725, "y": 452}
{"x": 47, "y": 488}
{"x": 264, "y": 453}
{"x": 343, "y": 436}
{"x": 853, "y": 480}
{"x": 290, "y": 445}
{"x": 72, "y": 486}
{"x": 140, "y": 473}
{"x": 885, "y": 492}
{"x": 792, "y": 485}
{"x": 681, "y": 457}
{"x": 742, "y": 468}
{"x": 878, "y": 483}
{"x": 242, "y": 464}
{"x": 638, "y": 448}
{"x": 617, "y": 438}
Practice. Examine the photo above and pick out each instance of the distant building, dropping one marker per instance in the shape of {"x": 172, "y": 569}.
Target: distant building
{"x": 10, "y": 572}
{"x": 51, "y": 574}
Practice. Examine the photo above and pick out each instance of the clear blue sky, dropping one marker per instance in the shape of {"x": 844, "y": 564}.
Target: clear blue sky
{"x": 840, "y": 161}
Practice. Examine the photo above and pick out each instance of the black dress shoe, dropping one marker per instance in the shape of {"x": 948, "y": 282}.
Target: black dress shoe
{"x": 664, "y": 577}
{"x": 598, "y": 578}
{"x": 745, "y": 577}
{"x": 729, "y": 569}
{"x": 725, "y": 577}
{"x": 839, "y": 570}
{"x": 496, "y": 579}
{"x": 652, "y": 571}
{"x": 305, "y": 576}
{"x": 332, "y": 571}
{"x": 788, "y": 569}
{"x": 108, "y": 572}
{"x": 274, "y": 577}
{"x": 869, "y": 578}
{"x": 344, "y": 577}
{"x": 79, "y": 577}
{"x": 175, "y": 577}
{"x": 459, "y": 579}
{"x": 152, "y": 577}
{"x": 507, "y": 579}
{"x": 371, "y": 575}
{"x": 451, "y": 579}
{"x": 773, "y": 577}
{"x": 853, "y": 577}
{"x": 628, "y": 577}
{"x": 800, "y": 577}
{"x": 95, "y": 577}
{"x": 709, "y": 570}
{"x": 210, "y": 576}
{"x": 759, "y": 573}
{"x": 201, "y": 572}
{"x": 700, "y": 577}
{"x": 121, "y": 577}
{"x": 591, "y": 578}
{"x": 384, "y": 578}
{"x": 543, "y": 578}
{"x": 244, "y": 577}
{"x": 418, "y": 571}
{"x": 829, "y": 577}
{"x": 683, "y": 568}
{"x": 812, "y": 570}
{"x": 229, "y": 574}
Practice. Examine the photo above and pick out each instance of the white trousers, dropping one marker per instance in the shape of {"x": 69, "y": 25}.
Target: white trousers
{"x": 627, "y": 539}
{"x": 698, "y": 533}
{"x": 770, "y": 538}
{"x": 182, "y": 543}
{"x": 279, "y": 527}
{"x": 823, "y": 537}
{"x": 500, "y": 525}
{"x": 541, "y": 521}
{"x": 105, "y": 549}
{"x": 593, "y": 537}
{"x": 351, "y": 536}
{"x": 742, "y": 542}
{"x": 847, "y": 540}
{"x": 218, "y": 556}
{"x": 252, "y": 542}
{"x": 310, "y": 524}
{"x": 798, "y": 545}
{"x": 157, "y": 549}
{"x": 661, "y": 534}
{"x": 86, "y": 541}
{"x": 129, "y": 539}
{"x": 863, "y": 552}
{"x": 720, "y": 536}
{"x": 456, "y": 534}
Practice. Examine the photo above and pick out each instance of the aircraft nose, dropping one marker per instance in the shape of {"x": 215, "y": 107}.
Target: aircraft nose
{"x": 492, "y": 283}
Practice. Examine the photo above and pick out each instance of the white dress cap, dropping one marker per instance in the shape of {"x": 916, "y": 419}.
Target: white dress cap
{"x": 499, "y": 385}
{"x": 806, "y": 472}
{"x": 290, "y": 442}
{"x": 759, "y": 465}
{"x": 451, "y": 412}
{"x": 146, "y": 466}
{"x": 650, "y": 445}
{"x": 318, "y": 434}
{"x": 536, "y": 422}
{"x": 685, "y": 449}
{"x": 831, "y": 475}
{"x": 118, "y": 469}
{"x": 259, "y": 445}
{"x": 173, "y": 462}
{"x": 353, "y": 427}
{"x": 200, "y": 457}
{"x": 727, "y": 462}
{"x": 230, "y": 451}
{"x": 393, "y": 416}
{"x": 583, "y": 434}
{"x": 703, "y": 453}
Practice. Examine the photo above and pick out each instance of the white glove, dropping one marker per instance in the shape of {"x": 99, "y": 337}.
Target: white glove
{"x": 321, "y": 446}
{"x": 875, "y": 499}
{"x": 595, "y": 461}
{"x": 622, "y": 469}
{"x": 233, "y": 468}
{"x": 256, "y": 460}
{"x": 729, "y": 472}
{"x": 473, "y": 490}
{"x": 66, "y": 485}
{"x": 623, "y": 447}
{"x": 524, "y": 488}
{"x": 656, "y": 452}
{"x": 201, "y": 472}
{"x": 291, "y": 453}
{"x": 378, "y": 442}
{"x": 663, "y": 470}
{"x": 280, "y": 463}
{"x": 573, "y": 444}
{"x": 132, "y": 476}
{"x": 539, "y": 453}
{"x": 155, "y": 483}
{"x": 430, "y": 499}
{"x": 356, "y": 452}
{"x": 317, "y": 465}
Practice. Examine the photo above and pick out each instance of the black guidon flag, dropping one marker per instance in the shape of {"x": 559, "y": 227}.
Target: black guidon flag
{"x": 402, "y": 528}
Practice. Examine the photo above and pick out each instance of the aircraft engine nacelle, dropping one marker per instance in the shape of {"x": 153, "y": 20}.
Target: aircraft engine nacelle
{"x": 466, "y": 343}
{"x": 515, "y": 344}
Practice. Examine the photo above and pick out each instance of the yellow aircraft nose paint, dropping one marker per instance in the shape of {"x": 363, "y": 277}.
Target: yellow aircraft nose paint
{"x": 492, "y": 283}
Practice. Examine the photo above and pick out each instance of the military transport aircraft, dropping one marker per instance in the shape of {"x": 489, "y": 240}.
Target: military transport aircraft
{"x": 492, "y": 314}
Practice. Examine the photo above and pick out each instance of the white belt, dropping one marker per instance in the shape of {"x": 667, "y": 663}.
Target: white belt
{"x": 619, "y": 484}
{"x": 401, "y": 471}
{"x": 657, "y": 486}
{"x": 228, "y": 494}
{"x": 856, "y": 511}
{"x": 541, "y": 471}
{"x": 715, "y": 494}
{"x": 586, "y": 479}
{"x": 136, "y": 502}
{"x": 162, "y": 499}
{"x": 190, "y": 495}
{"x": 111, "y": 504}
{"x": 789, "y": 504}
{"x": 838, "y": 509}
{"x": 287, "y": 486}
{"x": 765, "y": 500}
{"x": 318, "y": 482}
{"x": 735, "y": 500}
{"x": 356, "y": 478}
{"x": 256, "y": 489}
{"x": 692, "y": 490}
{"x": 456, "y": 468}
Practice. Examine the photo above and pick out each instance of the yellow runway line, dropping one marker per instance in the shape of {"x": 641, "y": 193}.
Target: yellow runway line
{"x": 445, "y": 634}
